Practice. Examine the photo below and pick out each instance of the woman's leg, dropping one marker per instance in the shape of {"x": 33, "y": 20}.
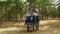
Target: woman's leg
{"x": 35, "y": 27}
{"x": 27, "y": 28}
{"x": 30, "y": 28}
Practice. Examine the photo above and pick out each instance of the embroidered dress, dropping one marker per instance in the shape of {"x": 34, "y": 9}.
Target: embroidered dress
{"x": 28, "y": 20}
{"x": 35, "y": 18}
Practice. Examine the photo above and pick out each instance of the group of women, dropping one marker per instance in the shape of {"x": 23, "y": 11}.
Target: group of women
{"x": 32, "y": 21}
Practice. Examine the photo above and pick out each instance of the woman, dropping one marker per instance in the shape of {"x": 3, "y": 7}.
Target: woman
{"x": 36, "y": 21}
{"x": 28, "y": 22}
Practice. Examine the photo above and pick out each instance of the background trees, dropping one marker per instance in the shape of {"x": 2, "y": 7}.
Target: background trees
{"x": 16, "y": 9}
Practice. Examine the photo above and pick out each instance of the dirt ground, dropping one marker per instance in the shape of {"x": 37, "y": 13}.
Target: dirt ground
{"x": 45, "y": 27}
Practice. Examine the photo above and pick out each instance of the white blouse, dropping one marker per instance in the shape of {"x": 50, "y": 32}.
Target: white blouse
{"x": 36, "y": 14}
{"x": 28, "y": 14}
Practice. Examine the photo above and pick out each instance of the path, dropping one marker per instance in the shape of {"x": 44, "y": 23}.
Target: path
{"x": 44, "y": 28}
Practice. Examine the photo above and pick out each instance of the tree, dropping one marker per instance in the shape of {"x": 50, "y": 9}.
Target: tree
{"x": 59, "y": 10}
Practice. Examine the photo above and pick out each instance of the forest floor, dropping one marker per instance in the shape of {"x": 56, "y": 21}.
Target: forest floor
{"x": 45, "y": 27}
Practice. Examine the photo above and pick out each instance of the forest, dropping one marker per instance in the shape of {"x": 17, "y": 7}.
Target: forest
{"x": 15, "y": 10}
